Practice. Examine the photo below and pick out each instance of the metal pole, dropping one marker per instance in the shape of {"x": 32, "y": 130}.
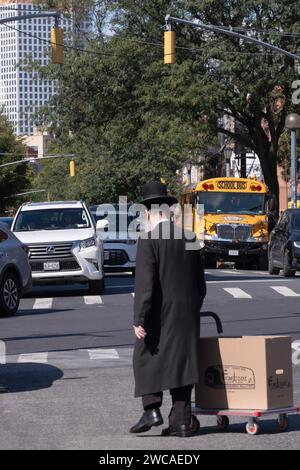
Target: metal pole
{"x": 243, "y": 165}
{"x": 228, "y": 168}
{"x": 34, "y": 160}
{"x": 293, "y": 168}
{"x": 215, "y": 29}
{"x": 55, "y": 15}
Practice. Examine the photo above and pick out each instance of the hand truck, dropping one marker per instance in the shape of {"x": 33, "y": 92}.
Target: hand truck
{"x": 252, "y": 426}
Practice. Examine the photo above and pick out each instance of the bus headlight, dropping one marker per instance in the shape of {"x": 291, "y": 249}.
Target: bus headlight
{"x": 297, "y": 244}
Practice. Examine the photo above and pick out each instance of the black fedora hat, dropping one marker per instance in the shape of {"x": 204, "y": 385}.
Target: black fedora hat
{"x": 155, "y": 192}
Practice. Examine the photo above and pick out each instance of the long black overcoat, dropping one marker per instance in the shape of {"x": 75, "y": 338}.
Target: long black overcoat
{"x": 169, "y": 291}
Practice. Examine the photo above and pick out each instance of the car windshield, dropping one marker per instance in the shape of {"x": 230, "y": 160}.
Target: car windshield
{"x": 52, "y": 219}
{"x": 296, "y": 222}
{"x": 232, "y": 203}
{"x": 117, "y": 221}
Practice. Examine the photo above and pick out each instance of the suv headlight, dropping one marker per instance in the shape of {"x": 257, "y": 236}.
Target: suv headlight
{"x": 87, "y": 243}
{"x": 297, "y": 244}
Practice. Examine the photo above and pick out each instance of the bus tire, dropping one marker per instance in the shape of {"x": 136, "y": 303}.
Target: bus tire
{"x": 209, "y": 262}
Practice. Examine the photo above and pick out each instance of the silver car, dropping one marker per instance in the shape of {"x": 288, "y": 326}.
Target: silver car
{"x": 15, "y": 271}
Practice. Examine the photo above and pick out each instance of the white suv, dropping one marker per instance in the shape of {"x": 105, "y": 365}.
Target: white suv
{"x": 62, "y": 242}
{"x": 119, "y": 246}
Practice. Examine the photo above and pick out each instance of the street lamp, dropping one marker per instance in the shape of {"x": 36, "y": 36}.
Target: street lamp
{"x": 292, "y": 122}
{"x": 228, "y": 152}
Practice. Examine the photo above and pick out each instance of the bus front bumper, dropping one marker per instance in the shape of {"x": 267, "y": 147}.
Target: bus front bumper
{"x": 231, "y": 250}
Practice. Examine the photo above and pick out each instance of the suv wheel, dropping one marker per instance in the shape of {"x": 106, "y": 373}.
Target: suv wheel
{"x": 287, "y": 268}
{"x": 9, "y": 294}
{"x": 272, "y": 269}
{"x": 96, "y": 287}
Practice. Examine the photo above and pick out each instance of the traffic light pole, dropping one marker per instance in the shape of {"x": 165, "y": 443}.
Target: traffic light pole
{"x": 56, "y": 35}
{"x": 33, "y": 160}
{"x": 55, "y": 15}
{"x": 216, "y": 29}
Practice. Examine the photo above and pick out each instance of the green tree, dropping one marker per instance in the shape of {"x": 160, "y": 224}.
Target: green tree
{"x": 140, "y": 119}
{"x": 124, "y": 130}
{"x": 14, "y": 179}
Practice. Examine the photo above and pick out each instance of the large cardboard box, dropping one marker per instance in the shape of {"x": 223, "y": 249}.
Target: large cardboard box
{"x": 249, "y": 372}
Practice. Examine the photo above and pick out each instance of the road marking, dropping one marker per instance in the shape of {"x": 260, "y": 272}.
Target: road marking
{"x": 93, "y": 300}
{"x": 233, "y": 271}
{"x": 42, "y": 304}
{"x": 237, "y": 293}
{"x": 248, "y": 280}
{"x": 286, "y": 291}
{"x": 103, "y": 354}
{"x": 33, "y": 357}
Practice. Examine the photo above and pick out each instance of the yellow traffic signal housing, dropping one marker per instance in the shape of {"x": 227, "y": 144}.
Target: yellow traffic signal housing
{"x": 57, "y": 40}
{"x": 169, "y": 49}
{"x": 72, "y": 168}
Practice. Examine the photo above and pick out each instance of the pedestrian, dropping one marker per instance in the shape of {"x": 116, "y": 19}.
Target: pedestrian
{"x": 169, "y": 291}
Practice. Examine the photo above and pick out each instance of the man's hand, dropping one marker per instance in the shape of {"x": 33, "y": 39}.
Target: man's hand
{"x": 139, "y": 332}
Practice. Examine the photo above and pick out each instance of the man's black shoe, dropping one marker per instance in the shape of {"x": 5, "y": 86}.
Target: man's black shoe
{"x": 179, "y": 431}
{"x": 183, "y": 430}
{"x": 149, "y": 418}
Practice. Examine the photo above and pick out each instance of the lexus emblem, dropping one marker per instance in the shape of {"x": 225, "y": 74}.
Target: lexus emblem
{"x": 50, "y": 249}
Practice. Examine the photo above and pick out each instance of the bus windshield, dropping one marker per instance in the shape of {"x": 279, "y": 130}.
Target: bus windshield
{"x": 232, "y": 203}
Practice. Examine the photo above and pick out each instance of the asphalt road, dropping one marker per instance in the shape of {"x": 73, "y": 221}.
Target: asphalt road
{"x": 69, "y": 370}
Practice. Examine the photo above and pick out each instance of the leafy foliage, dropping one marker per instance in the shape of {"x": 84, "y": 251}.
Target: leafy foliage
{"x": 130, "y": 118}
{"x": 15, "y": 178}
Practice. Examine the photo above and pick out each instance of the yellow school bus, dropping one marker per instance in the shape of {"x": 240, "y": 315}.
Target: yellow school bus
{"x": 231, "y": 215}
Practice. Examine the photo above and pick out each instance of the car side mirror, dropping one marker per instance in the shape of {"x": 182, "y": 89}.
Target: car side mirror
{"x": 102, "y": 224}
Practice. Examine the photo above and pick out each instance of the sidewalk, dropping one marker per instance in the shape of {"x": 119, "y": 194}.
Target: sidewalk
{"x": 93, "y": 408}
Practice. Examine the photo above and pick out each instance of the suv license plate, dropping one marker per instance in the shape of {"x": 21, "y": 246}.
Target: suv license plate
{"x": 233, "y": 252}
{"x": 54, "y": 266}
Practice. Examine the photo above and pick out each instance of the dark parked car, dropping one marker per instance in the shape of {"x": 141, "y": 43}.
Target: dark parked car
{"x": 7, "y": 220}
{"x": 284, "y": 245}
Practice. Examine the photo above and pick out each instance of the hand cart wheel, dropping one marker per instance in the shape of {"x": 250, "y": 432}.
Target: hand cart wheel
{"x": 223, "y": 422}
{"x": 282, "y": 422}
{"x": 195, "y": 424}
{"x": 252, "y": 428}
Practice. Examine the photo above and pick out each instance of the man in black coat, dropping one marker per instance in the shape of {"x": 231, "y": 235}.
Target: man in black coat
{"x": 169, "y": 291}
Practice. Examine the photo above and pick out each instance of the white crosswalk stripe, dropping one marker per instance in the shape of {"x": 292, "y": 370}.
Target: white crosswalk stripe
{"x": 285, "y": 291}
{"x": 42, "y": 304}
{"x": 93, "y": 300}
{"x": 34, "y": 357}
{"x": 103, "y": 354}
{"x": 237, "y": 293}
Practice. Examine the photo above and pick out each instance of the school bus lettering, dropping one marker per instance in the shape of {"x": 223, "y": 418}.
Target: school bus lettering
{"x": 239, "y": 185}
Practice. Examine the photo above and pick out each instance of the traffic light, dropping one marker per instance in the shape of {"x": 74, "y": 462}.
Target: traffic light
{"x": 72, "y": 168}
{"x": 169, "y": 49}
{"x": 57, "y": 40}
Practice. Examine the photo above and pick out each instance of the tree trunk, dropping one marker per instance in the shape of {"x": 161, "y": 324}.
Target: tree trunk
{"x": 268, "y": 161}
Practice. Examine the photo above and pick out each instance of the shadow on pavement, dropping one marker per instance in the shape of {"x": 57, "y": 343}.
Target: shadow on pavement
{"x": 33, "y": 313}
{"x": 268, "y": 426}
{"x": 28, "y": 377}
